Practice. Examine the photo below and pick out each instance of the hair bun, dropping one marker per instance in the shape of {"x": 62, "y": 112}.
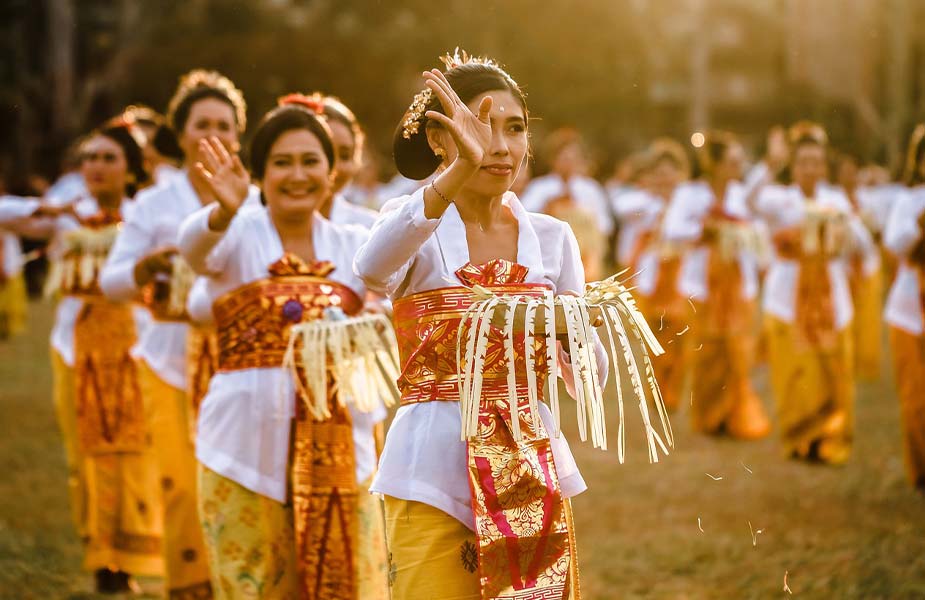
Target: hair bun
{"x": 413, "y": 155}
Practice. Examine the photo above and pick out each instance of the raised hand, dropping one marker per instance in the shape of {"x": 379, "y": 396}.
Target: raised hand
{"x": 470, "y": 132}
{"x": 223, "y": 175}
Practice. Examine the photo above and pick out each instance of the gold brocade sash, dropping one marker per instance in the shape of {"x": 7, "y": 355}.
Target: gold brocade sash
{"x": 525, "y": 550}
{"x": 110, "y": 413}
{"x": 253, "y": 325}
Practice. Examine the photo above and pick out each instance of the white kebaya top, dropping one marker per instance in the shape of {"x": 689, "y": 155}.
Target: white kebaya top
{"x": 245, "y": 417}
{"x": 424, "y": 459}
{"x": 640, "y": 212}
{"x": 586, "y": 192}
{"x": 904, "y": 304}
{"x": 783, "y": 207}
{"x": 684, "y": 220}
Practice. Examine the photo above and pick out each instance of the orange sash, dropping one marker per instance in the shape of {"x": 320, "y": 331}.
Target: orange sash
{"x": 525, "y": 547}
{"x": 253, "y": 325}
{"x": 110, "y": 413}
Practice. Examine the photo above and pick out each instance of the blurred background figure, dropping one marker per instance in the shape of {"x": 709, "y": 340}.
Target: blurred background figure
{"x": 570, "y": 194}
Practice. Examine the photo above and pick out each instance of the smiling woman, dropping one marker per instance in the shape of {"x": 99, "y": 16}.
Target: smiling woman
{"x": 268, "y": 267}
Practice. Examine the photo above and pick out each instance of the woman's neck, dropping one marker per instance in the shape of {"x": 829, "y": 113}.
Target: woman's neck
{"x": 295, "y": 233}
{"x": 327, "y": 206}
{"x": 808, "y": 190}
{"x": 484, "y": 211}
{"x": 109, "y": 203}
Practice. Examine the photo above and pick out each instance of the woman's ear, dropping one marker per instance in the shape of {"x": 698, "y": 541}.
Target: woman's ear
{"x": 436, "y": 140}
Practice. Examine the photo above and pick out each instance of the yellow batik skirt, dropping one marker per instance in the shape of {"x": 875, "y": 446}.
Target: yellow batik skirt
{"x": 14, "y": 306}
{"x": 722, "y": 397}
{"x": 813, "y": 391}
{"x": 64, "y": 395}
{"x": 166, "y": 415}
{"x": 251, "y": 542}
{"x": 434, "y": 556}
{"x": 868, "y": 325}
{"x": 909, "y": 357}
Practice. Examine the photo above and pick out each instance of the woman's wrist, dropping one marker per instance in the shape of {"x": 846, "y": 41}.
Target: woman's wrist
{"x": 219, "y": 218}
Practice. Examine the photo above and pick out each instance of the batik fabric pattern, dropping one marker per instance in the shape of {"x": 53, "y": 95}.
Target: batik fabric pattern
{"x": 525, "y": 548}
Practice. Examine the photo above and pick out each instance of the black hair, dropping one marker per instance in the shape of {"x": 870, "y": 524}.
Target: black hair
{"x": 122, "y": 136}
{"x": 715, "y": 146}
{"x": 413, "y": 155}
{"x": 277, "y": 122}
{"x": 165, "y": 142}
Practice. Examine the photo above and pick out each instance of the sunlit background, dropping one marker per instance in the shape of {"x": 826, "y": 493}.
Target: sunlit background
{"x": 622, "y": 71}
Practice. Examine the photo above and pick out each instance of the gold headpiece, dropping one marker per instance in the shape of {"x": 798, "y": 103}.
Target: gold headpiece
{"x": 461, "y": 57}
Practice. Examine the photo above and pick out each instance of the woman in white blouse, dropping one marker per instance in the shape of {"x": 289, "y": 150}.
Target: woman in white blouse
{"x": 905, "y": 306}
{"x": 462, "y": 518}
{"x": 807, "y": 303}
{"x": 719, "y": 274}
{"x": 144, "y": 265}
{"x": 291, "y": 502}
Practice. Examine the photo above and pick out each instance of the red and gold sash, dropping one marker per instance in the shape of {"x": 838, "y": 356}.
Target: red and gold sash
{"x": 525, "y": 548}
{"x": 253, "y": 325}
{"x": 110, "y": 413}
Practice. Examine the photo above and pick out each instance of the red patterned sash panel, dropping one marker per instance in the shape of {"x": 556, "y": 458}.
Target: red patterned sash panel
{"x": 110, "y": 413}
{"x": 525, "y": 550}
{"x": 253, "y": 325}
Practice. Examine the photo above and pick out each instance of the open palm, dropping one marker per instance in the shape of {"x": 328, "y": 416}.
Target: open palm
{"x": 223, "y": 174}
{"x": 470, "y": 132}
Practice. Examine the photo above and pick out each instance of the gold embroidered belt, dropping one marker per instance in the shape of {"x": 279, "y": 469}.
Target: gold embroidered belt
{"x": 253, "y": 321}
{"x": 525, "y": 550}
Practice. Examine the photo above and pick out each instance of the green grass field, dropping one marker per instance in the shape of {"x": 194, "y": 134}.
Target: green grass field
{"x": 839, "y": 533}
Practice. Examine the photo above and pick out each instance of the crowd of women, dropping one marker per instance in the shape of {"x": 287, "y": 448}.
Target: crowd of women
{"x": 179, "y": 271}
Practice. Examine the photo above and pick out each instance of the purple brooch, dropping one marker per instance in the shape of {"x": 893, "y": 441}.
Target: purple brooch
{"x": 293, "y": 310}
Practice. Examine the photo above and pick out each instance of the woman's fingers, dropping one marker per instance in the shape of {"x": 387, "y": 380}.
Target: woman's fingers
{"x": 221, "y": 150}
{"x": 450, "y": 91}
{"x": 444, "y": 120}
{"x": 238, "y": 167}
{"x": 208, "y": 157}
{"x": 485, "y": 109}
{"x": 442, "y": 95}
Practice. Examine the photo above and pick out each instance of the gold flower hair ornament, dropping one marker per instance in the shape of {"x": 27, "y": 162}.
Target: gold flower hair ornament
{"x": 412, "y": 122}
{"x": 607, "y": 304}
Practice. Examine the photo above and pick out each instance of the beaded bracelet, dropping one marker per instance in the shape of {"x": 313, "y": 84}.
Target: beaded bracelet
{"x": 436, "y": 191}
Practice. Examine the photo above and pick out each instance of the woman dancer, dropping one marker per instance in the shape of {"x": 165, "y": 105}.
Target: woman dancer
{"x": 279, "y": 516}
{"x": 807, "y": 302}
{"x": 144, "y": 263}
{"x": 448, "y": 536}
{"x": 719, "y": 273}
{"x": 905, "y": 307}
